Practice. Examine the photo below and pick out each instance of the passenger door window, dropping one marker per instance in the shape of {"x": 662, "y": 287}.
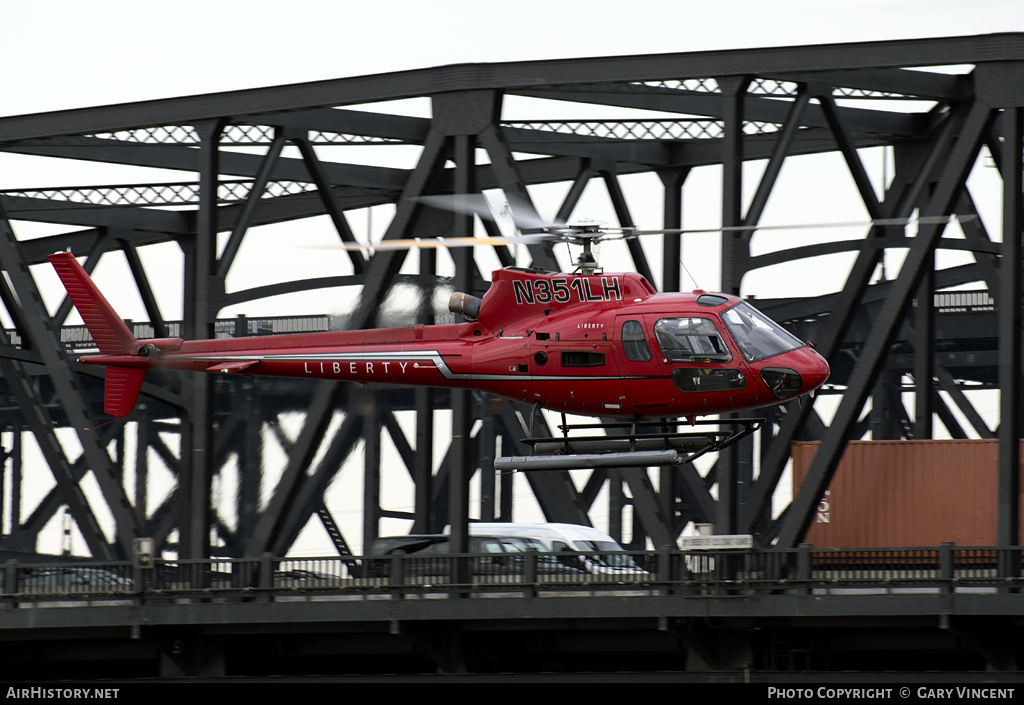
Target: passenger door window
{"x": 634, "y": 342}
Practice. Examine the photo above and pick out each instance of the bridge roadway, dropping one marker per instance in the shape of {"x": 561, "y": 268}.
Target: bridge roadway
{"x": 760, "y": 615}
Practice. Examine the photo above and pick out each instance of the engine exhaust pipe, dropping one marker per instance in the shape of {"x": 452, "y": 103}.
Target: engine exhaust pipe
{"x": 468, "y": 306}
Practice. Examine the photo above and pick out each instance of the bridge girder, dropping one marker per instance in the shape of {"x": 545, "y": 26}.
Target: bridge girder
{"x": 258, "y": 158}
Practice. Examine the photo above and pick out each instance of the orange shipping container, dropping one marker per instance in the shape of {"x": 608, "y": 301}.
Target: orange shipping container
{"x": 906, "y": 493}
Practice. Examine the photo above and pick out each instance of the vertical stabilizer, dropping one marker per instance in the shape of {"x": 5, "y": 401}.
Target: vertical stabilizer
{"x": 108, "y": 330}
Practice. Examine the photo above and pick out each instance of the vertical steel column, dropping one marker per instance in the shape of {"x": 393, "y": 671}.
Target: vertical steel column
{"x": 16, "y": 477}
{"x": 505, "y": 485}
{"x": 4, "y": 457}
{"x": 672, "y": 253}
{"x": 883, "y": 418}
{"x": 926, "y": 401}
{"x": 371, "y": 469}
{"x": 735, "y": 245}
{"x": 423, "y": 470}
{"x": 250, "y": 462}
{"x": 1008, "y": 517}
{"x": 616, "y": 503}
{"x": 488, "y": 492}
{"x": 202, "y": 301}
{"x": 924, "y": 353}
{"x": 143, "y": 429}
{"x": 462, "y": 465}
{"x": 735, "y": 253}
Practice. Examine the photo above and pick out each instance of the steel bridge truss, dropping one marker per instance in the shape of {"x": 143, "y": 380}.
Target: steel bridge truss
{"x": 256, "y": 158}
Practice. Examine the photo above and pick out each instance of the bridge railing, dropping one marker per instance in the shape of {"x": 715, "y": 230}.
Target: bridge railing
{"x": 806, "y": 570}
{"x": 78, "y": 339}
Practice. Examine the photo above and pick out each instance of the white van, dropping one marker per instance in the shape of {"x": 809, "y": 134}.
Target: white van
{"x": 564, "y": 538}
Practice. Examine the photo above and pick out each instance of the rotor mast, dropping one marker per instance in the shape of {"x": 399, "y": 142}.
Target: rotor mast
{"x": 585, "y": 233}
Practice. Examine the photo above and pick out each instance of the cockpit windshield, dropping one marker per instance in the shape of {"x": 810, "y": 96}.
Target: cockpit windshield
{"x": 758, "y": 336}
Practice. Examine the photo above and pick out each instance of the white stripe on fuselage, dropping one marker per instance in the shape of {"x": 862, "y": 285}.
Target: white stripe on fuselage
{"x": 417, "y": 357}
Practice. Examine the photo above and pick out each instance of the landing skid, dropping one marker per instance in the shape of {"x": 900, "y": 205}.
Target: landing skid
{"x": 627, "y": 444}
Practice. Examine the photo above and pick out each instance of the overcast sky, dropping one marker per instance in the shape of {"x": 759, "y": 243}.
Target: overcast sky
{"x": 62, "y": 54}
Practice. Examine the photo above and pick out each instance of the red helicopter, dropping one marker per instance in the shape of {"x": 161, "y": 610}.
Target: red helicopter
{"x": 588, "y": 343}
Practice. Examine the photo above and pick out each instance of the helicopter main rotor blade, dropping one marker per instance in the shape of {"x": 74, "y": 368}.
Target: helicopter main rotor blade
{"x": 590, "y": 231}
{"x": 463, "y": 204}
{"x": 522, "y": 214}
{"x": 932, "y": 219}
{"x": 433, "y": 243}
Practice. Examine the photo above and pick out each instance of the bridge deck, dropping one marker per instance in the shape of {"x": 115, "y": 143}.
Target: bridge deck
{"x": 705, "y": 612}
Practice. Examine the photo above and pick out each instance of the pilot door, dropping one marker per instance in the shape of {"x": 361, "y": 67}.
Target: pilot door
{"x": 677, "y": 357}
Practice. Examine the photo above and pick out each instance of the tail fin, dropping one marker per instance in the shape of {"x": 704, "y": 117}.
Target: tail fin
{"x": 108, "y": 330}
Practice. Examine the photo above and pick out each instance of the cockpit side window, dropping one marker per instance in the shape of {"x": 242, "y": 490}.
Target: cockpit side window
{"x": 634, "y": 343}
{"x": 691, "y": 340}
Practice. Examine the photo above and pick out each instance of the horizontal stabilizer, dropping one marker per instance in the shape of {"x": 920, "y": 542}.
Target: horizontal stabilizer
{"x": 109, "y": 332}
{"x": 122, "y": 389}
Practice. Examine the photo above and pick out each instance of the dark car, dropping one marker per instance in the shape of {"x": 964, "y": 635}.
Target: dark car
{"x": 301, "y": 578}
{"x": 428, "y": 555}
{"x": 75, "y": 579}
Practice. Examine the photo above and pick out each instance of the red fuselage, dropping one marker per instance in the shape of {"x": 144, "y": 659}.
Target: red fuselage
{"x": 598, "y": 345}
